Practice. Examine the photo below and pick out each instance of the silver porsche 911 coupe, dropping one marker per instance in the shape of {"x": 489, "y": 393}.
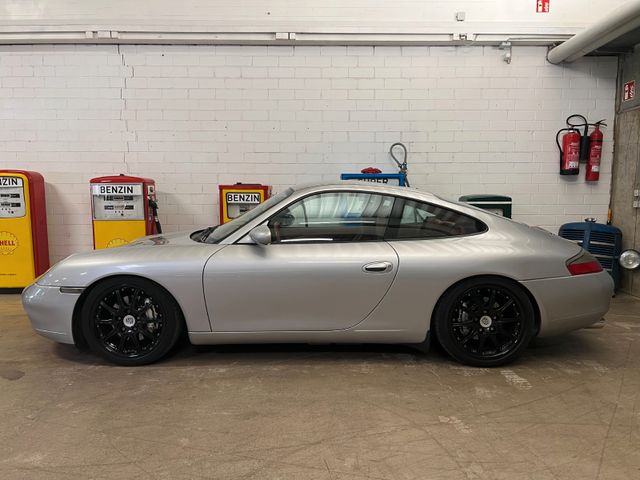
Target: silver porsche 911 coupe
{"x": 350, "y": 262}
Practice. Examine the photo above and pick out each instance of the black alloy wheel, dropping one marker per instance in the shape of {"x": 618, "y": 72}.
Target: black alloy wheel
{"x": 130, "y": 321}
{"x": 485, "y": 322}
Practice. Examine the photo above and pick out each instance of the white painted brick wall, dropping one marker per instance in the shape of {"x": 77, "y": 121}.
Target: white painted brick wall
{"x": 193, "y": 117}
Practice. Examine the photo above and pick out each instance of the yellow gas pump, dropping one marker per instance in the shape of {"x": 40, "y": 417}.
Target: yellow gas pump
{"x": 239, "y": 198}
{"x": 124, "y": 208}
{"x": 24, "y": 248}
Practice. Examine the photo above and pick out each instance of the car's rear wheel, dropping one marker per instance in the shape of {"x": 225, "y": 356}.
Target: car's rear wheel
{"x": 485, "y": 322}
{"x": 130, "y": 321}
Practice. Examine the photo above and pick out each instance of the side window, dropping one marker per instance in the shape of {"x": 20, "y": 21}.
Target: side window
{"x": 418, "y": 220}
{"x": 333, "y": 217}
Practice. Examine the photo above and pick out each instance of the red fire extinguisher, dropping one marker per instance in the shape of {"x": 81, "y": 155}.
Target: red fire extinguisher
{"x": 595, "y": 153}
{"x": 578, "y": 148}
{"x": 569, "y": 151}
{"x": 584, "y": 137}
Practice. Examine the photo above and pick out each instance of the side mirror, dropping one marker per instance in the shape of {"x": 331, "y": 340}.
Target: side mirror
{"x": 261, "y": 235}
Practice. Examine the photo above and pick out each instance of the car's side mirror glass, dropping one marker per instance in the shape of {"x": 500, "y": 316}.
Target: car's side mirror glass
{"x": 261, "y": 235}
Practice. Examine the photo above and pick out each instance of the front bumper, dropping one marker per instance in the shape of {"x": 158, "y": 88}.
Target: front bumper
{"x": 570, "y": 303}
{"x": 50, "y": 311}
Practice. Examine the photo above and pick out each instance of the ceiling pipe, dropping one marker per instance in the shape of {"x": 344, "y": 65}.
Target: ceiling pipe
{"x": 621, "y": 21}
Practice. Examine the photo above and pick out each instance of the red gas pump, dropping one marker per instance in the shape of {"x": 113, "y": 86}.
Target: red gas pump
{"x": 24, "y": 246}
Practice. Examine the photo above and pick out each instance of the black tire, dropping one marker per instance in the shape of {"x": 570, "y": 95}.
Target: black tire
{"x": 485, "y": 321}
{"x": 130, "y": 321}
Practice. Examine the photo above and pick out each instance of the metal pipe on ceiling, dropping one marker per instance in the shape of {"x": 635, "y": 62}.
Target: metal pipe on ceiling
{"x": 621, "y": 21}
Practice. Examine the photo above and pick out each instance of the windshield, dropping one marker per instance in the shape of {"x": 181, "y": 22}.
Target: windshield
{"x": 226, "y": 229}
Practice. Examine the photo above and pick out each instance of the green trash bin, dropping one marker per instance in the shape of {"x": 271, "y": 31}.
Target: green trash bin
{"x": 498, "y": 204}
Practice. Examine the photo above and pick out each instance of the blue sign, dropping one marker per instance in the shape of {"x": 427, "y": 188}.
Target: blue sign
{"x": 398, "y": 179}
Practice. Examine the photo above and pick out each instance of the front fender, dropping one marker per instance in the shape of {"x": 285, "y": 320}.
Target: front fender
{"x": 177, "y": 268}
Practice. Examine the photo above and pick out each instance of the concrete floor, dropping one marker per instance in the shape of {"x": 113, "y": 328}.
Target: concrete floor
{"x": 569, "y": 409}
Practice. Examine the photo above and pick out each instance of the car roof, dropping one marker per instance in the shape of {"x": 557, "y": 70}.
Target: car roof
{"x": 366, "y": 186}
{"x": 407, "y": 192}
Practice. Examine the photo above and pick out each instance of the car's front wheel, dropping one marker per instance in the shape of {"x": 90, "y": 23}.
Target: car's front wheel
{"x": 484, "y": 322}
{"x": 130, "y": 321}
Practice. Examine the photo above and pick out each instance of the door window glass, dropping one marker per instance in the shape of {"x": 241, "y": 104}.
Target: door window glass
{"x": 333, "y": 217}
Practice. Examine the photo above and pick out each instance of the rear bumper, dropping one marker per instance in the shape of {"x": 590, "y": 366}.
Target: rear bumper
{"x": 50, "y": 311}
{"x": 570, "y": 303}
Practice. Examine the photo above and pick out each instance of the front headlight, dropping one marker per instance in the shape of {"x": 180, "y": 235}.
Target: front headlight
{"x": 629, "y": 259}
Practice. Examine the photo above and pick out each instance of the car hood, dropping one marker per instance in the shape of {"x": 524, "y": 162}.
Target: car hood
{"x": 142, "y": 257}
{"x": 178, "y": 238}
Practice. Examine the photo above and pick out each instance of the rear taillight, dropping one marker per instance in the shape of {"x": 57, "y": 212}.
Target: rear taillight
{"x": 583, "y": 263}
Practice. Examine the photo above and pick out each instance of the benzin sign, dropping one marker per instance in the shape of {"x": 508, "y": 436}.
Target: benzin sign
{"x": 236, "y": 197}
{"x": 10, "y": 182}
{"x": 117, "y": 189}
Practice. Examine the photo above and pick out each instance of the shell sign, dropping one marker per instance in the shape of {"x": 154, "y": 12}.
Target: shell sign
{"x": 117, "y": 242}
{"x": 8, "y": 243}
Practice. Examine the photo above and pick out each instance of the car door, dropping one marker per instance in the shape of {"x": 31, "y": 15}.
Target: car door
{"x": 327, "y": 267}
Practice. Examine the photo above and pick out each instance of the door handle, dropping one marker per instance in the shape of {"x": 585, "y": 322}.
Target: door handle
{"x": 378, "y": 267}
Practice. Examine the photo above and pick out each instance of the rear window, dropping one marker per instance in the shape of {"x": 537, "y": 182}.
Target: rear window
{"x": 420, "y": 220}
